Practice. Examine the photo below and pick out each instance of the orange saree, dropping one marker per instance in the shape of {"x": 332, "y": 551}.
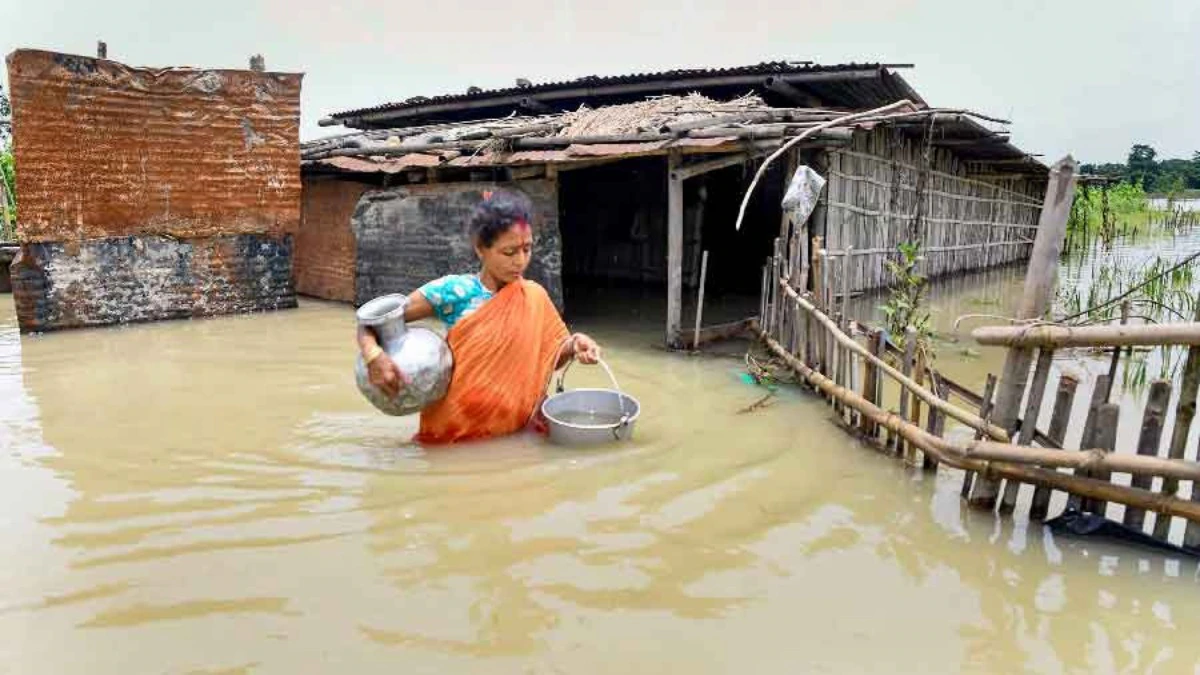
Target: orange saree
{"x": 504, "y": 354}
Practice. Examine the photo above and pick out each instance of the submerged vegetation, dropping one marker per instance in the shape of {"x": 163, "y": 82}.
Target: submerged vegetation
{"x": 1101, "y": 213}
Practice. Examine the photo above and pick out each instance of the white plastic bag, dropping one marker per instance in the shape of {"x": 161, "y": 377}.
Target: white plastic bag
{"x": 802, "y": 193}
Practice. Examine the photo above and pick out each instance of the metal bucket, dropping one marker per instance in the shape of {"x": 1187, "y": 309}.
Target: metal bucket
{"x": 583, "y": 417}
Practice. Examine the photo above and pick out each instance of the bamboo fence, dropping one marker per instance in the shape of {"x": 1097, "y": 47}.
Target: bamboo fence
{"x": 808, "y": 331}
{"x": 885, "y": 189}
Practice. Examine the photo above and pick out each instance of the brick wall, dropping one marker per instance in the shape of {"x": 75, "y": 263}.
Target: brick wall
{"x": 123, "y": 169}
{"x": 325, "y": 246}
{"x": 145, "y": 278}
{"x": 412, "y": 234}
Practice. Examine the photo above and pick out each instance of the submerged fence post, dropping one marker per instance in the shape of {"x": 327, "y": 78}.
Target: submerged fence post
{"x": 937, "y": 419}
{"x": 910, "y": 351}
{"x": 985, "y": 414}
{"x": 1057, "y": 432}
{"x": 1033, "y": 407}
{"x": 871, "y": 382}
{"x": 1105, "y": 438}
{"x": 1035, "y": 301}
{"x": 1088, "y": 440}
{"x": 1149, "y": 439}
{"x": 1185, "y": 411}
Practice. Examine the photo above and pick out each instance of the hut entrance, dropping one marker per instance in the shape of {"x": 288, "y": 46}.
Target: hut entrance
{"x": 614, "y": 225}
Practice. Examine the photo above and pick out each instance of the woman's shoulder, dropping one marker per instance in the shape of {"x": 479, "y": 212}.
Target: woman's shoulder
{"x": 452, "y": 288}
{"x": 534, "y": 287}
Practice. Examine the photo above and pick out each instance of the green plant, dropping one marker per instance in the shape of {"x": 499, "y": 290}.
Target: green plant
{"x": 8, "y": 175}
{"x": 905, "y": 304}
{"x": 1159, "y": 290}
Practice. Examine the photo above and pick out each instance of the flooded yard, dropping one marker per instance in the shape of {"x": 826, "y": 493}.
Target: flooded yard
{"x": 214, "y": 496}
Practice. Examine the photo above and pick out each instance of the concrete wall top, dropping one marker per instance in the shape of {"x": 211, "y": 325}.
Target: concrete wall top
{"x": 104, "y": 149}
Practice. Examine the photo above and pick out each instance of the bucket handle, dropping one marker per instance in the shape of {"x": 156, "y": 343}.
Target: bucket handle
{"x": 624, "y": 421}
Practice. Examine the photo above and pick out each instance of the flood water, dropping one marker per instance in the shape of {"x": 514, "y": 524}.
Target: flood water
{"x": 214, "y": 496}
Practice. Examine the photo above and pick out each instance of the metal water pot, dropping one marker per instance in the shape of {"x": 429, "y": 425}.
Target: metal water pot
{"x": 422, "y": 355}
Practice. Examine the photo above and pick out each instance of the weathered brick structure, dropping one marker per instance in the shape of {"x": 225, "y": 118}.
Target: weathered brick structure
{"x": 151, "y": 193}
{"x": 325, "y": 245}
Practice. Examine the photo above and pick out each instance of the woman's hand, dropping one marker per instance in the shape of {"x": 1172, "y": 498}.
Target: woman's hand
{"x": 384, "y": 373}
{"x": 585, "y": 349}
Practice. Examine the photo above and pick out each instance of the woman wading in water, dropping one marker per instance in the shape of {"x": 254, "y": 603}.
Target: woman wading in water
{"x": 506, "y": 334}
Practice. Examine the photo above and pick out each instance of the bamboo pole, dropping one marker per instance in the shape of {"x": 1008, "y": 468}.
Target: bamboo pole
{"x": 1149, "y": 439}
{"x": 1059, "y": 419}
{"x": 933, "y": 401}
{"x": 985, "y": 412}
{"x": 937, "y": 422}
{"x": 762, "y": 298}
{"x": 700, "y": 298}
{"x": 845, "y": 364}
{"x": 980, "y": 457}
{"x": 841, "y": 121}
{"x": 1055, "y": 337}
{"x": 1035, "y": 301}
{"x": 1185, "y": 411}
{"x": 910, "y": 351}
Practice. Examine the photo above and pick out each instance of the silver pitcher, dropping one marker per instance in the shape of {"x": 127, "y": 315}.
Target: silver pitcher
{"x": 421, "y": 355}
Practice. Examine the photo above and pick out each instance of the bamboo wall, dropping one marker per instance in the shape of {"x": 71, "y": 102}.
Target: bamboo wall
{"x": 885, "y": 189}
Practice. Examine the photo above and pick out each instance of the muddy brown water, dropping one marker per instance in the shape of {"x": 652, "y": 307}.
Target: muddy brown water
{"x": 214, "y": 496}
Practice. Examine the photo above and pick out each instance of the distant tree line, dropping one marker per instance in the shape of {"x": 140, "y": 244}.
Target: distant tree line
{"x": 1143, "y": 167}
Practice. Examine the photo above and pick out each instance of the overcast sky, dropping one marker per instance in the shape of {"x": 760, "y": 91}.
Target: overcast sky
{"x": 1089, "y": 77}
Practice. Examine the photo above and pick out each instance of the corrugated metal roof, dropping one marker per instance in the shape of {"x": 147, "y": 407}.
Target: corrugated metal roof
{"x": 852, "y": 85}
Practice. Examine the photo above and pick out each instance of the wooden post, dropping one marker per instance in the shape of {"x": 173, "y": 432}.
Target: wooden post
{"x": 776, "y": 270}
{"x": 985, "y": 413}
{"x": 1037, "y": 389}
{"x": 871, "y": 383}
{"x": 823, "y": 304}
{"x": 910, "y": 351}
{"x": 846, "y": 255}
{"x": 937, "y": 420}
{"x": 1148, "y": 442}
{"x": 846, "y": 363}
{"x": 1088, "y": 440}
{"x": 1185, "y": 411}
{"x": 675, "y": 252}
{"x": 1035, "y": 301}
{"x": 700, "y": 299}
{"x": 762, "y": 300}
{"x": 919, "y": 376}
{"x": 1057, "y": 432}
{"x": 1105, "y": 436}
{"x": 789, "y": 167}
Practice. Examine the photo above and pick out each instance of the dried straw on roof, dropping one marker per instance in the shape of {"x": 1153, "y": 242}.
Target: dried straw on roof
{"x": 630, "y": 118}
